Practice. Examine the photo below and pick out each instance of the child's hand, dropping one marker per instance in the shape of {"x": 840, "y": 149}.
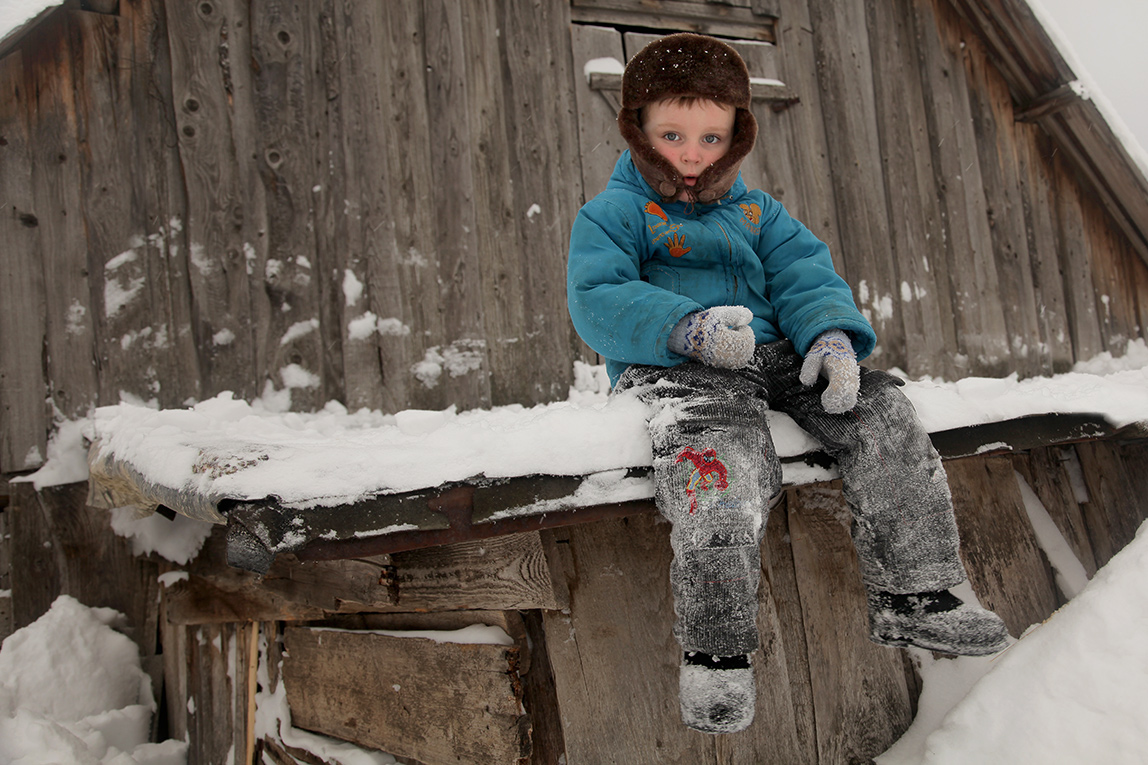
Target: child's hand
{"x": 832, "y": 356}
{"x": 718, "y": 336}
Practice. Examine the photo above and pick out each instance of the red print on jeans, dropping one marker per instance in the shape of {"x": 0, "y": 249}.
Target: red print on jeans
{"x": 708, "y": 473}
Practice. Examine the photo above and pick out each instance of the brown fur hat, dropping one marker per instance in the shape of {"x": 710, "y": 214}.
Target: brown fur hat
{"x": 686, "y": 65}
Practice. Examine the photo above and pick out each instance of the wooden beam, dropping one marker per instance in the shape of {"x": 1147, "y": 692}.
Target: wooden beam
{"x": 413, "y": 697}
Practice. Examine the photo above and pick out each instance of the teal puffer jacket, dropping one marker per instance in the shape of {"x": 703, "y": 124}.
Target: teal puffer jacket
{"x": 638, "y": 265}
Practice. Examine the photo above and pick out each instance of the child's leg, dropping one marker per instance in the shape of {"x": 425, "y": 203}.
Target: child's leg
{"x": 715, "y": 471}
{"x": 904, "y": 528}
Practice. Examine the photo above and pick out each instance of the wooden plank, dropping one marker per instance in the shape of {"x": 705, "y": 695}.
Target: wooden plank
{"x": 1038, "y": 188}
{"x": 861, "y": 700}
{"x": 220, "y": 692}
{"x": 464, "y": 142}
{"x": 599, "y": 141}
{"x": 24, "y": 424}
{"x": 1005, "y": 564}
{"x": 802, "y": 128}
{"x": 982, "y": 343}
{"x": 541, "y": 133}
{"x": 720, "y": 20}
{"x": 503, "y": 573}
{"x": 1076, "y": 265}
{"x": 1118, "y": 279}
{"x": 116, "y": 245}
{"x": 352, "y": 51}
{"x": 6, "y": 627}
{"x": 60, "y": 547}
{"x": 436, "y": 702}
{"x": 171, "y": 343}
{"x": 1050, "y": 474}
{"x": 285, "y": 55}
{"x": 224, "y": 210}
{"x": 1115, "y": 507}
{"x": 915, "y": 226}
{"x": 993, "y": 118}
{"x": 56, "y": 184}
{"x": 849, "y": 109}
{"x": 496, "y": 574}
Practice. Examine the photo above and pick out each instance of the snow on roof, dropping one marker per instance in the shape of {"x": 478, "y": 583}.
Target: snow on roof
{"x": 226, "y": 448}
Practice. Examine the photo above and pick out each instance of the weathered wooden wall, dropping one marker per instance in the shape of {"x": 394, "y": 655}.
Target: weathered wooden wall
{"x": 370, "y": 202}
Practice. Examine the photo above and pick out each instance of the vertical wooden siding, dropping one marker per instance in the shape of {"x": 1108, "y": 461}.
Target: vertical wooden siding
{"x": 370, "y": 203}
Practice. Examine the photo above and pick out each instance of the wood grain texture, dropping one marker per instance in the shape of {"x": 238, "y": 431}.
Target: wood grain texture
{"x": 436, "y": 702}
{"x": 56, "y": 186}
{"x": 24, "y": 434}
{"x": 915, "y": 225}
{"x": 1006, "y": 566}
{"x": 982, "y": 343}
{"x": 845, "y": 74}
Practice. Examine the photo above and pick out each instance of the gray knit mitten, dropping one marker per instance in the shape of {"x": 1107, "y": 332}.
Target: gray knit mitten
{"x": 718, "y": 336}
{"x": 832, "y": 357}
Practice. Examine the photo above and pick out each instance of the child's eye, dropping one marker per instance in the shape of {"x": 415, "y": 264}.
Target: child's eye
{"x": 711, "y": 138}
{"x": 670, "y": 136}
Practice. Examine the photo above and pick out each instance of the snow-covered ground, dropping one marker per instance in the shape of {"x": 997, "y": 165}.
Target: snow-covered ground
{"x": 1071, "y": 690}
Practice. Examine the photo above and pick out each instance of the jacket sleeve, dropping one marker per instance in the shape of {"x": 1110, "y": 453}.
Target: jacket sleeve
{"x": 616, "y": 313}
{"x": 803, "y": 287}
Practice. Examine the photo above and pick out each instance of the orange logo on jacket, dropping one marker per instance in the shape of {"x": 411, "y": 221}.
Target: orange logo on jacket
{"x": 752, "y": 212}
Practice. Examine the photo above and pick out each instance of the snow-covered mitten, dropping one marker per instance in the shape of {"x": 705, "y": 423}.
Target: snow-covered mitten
{"x": 718, "y": 336}
{"x": 716, "y": 693}
{"x": 832, "y": 357}
{"x": 936, "y": 621}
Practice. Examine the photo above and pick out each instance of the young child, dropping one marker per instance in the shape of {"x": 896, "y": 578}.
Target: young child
{"x": 713, "y": 305}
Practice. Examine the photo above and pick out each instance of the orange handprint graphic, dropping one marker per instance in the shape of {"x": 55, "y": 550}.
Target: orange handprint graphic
{"x": 676, "y": 245}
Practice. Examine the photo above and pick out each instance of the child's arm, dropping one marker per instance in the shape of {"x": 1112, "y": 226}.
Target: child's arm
{"x": 614, "y": 311}
{"x": 803, "y": 287}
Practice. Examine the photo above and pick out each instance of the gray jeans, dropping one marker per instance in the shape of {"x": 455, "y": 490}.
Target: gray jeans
{"x": 715, "y": 471}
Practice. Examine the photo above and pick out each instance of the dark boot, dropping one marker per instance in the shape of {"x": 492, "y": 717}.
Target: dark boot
{"x": 936, "y": 621}
{"x": 716, "y": 693}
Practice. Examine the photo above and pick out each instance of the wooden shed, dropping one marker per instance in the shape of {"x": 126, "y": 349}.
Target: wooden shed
{"x": 369, "y": 203}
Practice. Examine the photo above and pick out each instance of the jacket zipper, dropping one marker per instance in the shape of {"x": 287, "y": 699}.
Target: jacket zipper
{"x": 729, "y": 247}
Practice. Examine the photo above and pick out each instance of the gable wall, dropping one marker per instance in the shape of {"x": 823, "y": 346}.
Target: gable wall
{"x": 370, "y": 203}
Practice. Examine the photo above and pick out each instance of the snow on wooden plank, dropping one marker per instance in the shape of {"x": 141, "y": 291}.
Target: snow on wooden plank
{"x": 436, "y": 702}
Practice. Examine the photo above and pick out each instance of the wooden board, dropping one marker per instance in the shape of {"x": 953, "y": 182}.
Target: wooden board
{"x": 221, "y": 684}
{"x": 915, "y": 225}
{"x": 60, "y": 547}
{"x": 1115, "y": 507}
{"x": 845, "y": 74}
{"x": 969, "y": 266}
{"x": 993, "y": 119}
{"x": 24, "y": 428}
{"x": 436, "y": 702}
{"x": 802, "y": 129}
{"x": 1049, "y": 287}
{"x": 70, "y": 338}
{"x": 499, "y": 574}
{"x": 861, "y": 699}
{"x": 1006, "y": 566}
{"x": 1049, "y": 472}
{"x": 600, "y": 143}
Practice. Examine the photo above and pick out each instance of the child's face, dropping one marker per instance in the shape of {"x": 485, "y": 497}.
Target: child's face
{"x": 692, "y": 137}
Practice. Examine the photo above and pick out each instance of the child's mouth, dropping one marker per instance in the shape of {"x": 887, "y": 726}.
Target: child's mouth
{"x": 690, "y": 179}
